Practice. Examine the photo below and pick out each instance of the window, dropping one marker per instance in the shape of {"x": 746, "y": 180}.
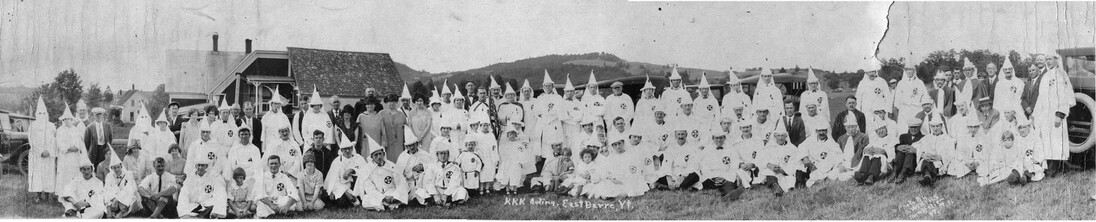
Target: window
{"x": 131, "y": 103}
{"x": 131, "y": 117}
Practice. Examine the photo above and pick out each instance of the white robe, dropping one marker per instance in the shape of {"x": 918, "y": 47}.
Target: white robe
{"x": 769, "y": 96}
{"x": 907, "y": 97}
{"x": 828, "y": 160}
{"x": 645, "y": 110}
{"x": 157, "y": 144}
{"x": 619, "y": 106}
{"x": 271, "y": 120}
{"x": 224, "y": 133}
{"x": 876, "y": 90}
{"x": 672, "y": 99}
{"x": 291, "y": 155}
{"x": 1055, "y": 95}
{"x": 549, "y": 126}
{"x": 71, "y": 149}
{"x": 1006, "y": 95}
{"x": 243, "y": 156}
{"x": 317, "y": 121}
{"x": 707, "y": 109}
{"x": 89, "y": 190}
{"x": 276, "y": 186}
{"x": 942, "y": 145}
{"x": 123, "y": 189}
{"x": 42, "y": 172}
{"x": 822, "y": 99}
{"x": 733, "y": 99}
{"x": 205, "y": 149}
{"x": 336, "y": 185}
{"x": 379, "y": 182}
{"x": 207, "y": 191}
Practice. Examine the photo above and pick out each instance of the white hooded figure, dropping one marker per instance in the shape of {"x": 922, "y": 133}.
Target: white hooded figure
{"x": 1051, "y": 109}
{"x": 381, "y": 183}
{"x": 647, "y": 104}
{"x": 1005, "y": 160}
{"x": 289, "y": 152}
{"x": 244, "y": 155}
{"x": 825, "y": 155}
{"x": 964, "y": 159}
{"x": 910, "y": 93}
{"x": 873, "y": 87}
{"x": 936, "y": 146}
{"x": 447, "y": 177}
{"x": 515, "y": 156}
{"x": 344, "y": 171}
{"x": 205, "y": 149}
{"x": 673, "y": 96}
{"x": 1007, "y": 92}
{"x": 142, "y": 127}
{"x": 224, "y": 129}
{"x": 317, "y": 120}
{"x": 412, "y": 154}
{"x": 767, "y": 94}
{"x": 42, "y": 157}
{"x": 273, "y": 118}
{"x": 487, "y": 150}
{"x": 202, "y": 193}
{"x": 881, "y": 137}
{"x": 705, "y": 106}
{"x": 120, "y": 190}
{"x": 160, "y": 139}
{"x": 782, "y": 159}
{"x": 1026, "y": 140}
{"x": 734, "y": 98}
{"x": 815, "y": 95}
{"x": 593, "y": 102}
{"x": 619, "y": 105}
{"x": 82, "y": 196}
{"x": 550, "y": 114}
{"x": 277, "y": 192}
{"x": 70, "y": 148}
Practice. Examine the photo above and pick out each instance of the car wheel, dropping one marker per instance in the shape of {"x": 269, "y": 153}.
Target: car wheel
{"x": 1090, "y": 104}
{"x": 23, "y": 162}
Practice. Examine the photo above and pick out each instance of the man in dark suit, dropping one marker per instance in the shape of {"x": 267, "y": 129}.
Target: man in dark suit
{"x": 793, "y": 122}
{"x": 838, "y": 122}
{"x": 97, "y": 136}
{"x": 253, "y": 122}
{"x": 946, "y": 102}
{"x": 174, "y": 122}
{"x": 335, "y": 114}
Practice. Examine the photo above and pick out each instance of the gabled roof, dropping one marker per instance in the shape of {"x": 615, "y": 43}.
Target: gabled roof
{"x": 344, "y": 73}
{"x": 122, "y": 99}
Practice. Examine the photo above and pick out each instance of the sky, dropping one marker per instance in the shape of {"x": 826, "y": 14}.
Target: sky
{"x": 112, "y": 42}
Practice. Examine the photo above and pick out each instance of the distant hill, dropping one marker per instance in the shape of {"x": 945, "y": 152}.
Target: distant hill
{"x": 408, "y": 74}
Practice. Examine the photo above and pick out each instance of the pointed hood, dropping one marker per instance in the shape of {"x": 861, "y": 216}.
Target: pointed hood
{"x": 434, "y": 98}
{"x": 494, "y": 84}
{"x": 1022, "y": 120}
{"x": 732, "y": 78}
{"x": 567, "y": 85}
{"x": 811, "y": 77}
{"x": 40, "y": 111}
{"x": 592, "y": 80}
{"x": 457, "y": 95}
{"x": 509, "y": 89}
{"x": 67, "y": 114}
{"x": 224, "y": 105}
{"x": 674, "y": 75}
{"x": 547, "y": 79}
{"x": 344, "y": 142}
{"x": 445, "y": 88}
{"x": 406, "y": 93}
{"x": 525, "y": 85}
{"x": 373, "y": 145}
{"x": 967, "y": 63}
{"x": 648, "y": 85}
{"x": 275, "y": 97}
{"x": 163, "y": 117}
{"x": 850, "y": 120}
{"x": 939, "y": 75}
{"x": 936, "y": 118}
{"x": 409, "y": 136}
{"x": 1007, "y": 65}
{"x": 315, "y": 100}
{"x": 114, "y": 160}
{"x": 704, "y": 81}
{"x": 780, "y": 128}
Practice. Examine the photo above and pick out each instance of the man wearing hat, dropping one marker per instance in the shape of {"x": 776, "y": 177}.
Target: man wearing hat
{"x": 705, "y": 106}
{"x": 447, "y": 178}
{"x": 340, "y": 178}
{"x": 244, "y": 155}
{"x": 909, "y": 92}
{"x": 412, "y": 155}
{"x": 619, "y": 104}
{"x": 673, "y": 97}
{"x": 315, "y": 120}
{"x": 683, "y": 161}
{"x": 905, "y": 159}
{"x": 873, "y": 90}
{"x": 767, "y": 94}
{"x": 273, "y": 117}
{"x": 381, "y": 185}
{"x": 720, "y": 168}
{"x": 1049, "y": 102}
{"x": 82, "y": 197}
{"x": 933, "y": 150}
{"x": 942, "y": 95}
{"x": 1008, "y": 90}
{"x": 877, "y": 155}
{"x": 970, "y": 88}
{"x": 750, "y": 150}
{"x": 735, "y": 98}
{"x": 205, "y": 149}
{"x": 966, "y": 158}
{"x": 119, "y": 190}
{"x": 824, "y": 156}
{"x": 815, "y": 95}
{"x": 224, "y": 128}
{"x": 698, "y": 127}
{"x": 550, "y": 113}
{"x": 647, "y": 104}
{"x": 782, "y": 164}
{"x": 853, "y": 141}
{"x": 593, "y": 101}
{"x": 288, "y": 152}
{"x": 893, "y": 83}
{"x": 203, "y": 194}
{"x": 98, "y": 136}
{"x": 989, "y": 116}
{"x": 277, "y": 193}
{"x": 812, "y": 117}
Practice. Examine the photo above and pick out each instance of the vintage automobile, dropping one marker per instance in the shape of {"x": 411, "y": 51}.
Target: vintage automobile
{"x": 13, "y": 139}
{"x": 1078, "y": 64}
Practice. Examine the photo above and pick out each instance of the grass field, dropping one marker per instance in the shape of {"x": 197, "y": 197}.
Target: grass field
{"x": 1063, "y": 197}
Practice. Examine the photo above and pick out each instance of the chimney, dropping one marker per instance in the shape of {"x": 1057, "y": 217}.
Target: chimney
{"x": 133, "y": 87}
{"x": 215, "y": 37}
{"x": 247, "y": 46}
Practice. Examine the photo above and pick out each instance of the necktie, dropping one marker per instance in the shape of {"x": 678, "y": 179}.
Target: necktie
{"x": 99, "y": 132}
{"x": 159, "y": 183}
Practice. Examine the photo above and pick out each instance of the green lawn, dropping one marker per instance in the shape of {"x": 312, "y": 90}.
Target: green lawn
{"x": 1064, "y": 197}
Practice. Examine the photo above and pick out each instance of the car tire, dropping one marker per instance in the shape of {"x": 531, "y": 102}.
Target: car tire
{"x": 23, "y": 163}
{"x": 1088, "y": 102}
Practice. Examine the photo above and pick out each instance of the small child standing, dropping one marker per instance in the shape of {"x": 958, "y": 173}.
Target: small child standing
{"x": 470, "y": 166}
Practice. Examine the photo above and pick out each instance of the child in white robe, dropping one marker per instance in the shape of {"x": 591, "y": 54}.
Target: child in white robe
{"x": 513, "y": 152}
{"x": 470, "y": 164}
{"x": 581, "y": 176}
